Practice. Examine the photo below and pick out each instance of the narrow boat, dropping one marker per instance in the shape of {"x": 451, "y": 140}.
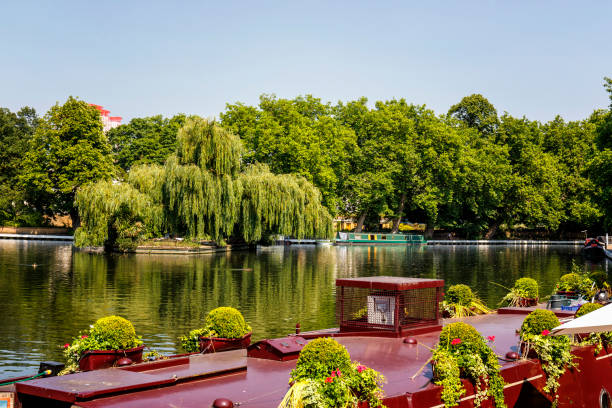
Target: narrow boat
{"x": 371, "y": 238}
{"x": 387, "y": 323}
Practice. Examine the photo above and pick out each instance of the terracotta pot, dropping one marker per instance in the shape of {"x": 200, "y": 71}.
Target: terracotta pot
{"x": 215, "y": 344}
{"x": 96, "y": 359}
{"x": 530, "y": 354}
{"x": 526, "y": 302}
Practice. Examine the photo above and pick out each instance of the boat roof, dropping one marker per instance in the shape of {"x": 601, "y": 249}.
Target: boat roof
{"x": 264, "y": 382}
{"x": 390, "y": 282}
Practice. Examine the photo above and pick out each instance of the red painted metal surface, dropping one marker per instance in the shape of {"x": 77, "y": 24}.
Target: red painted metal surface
{"x": 96, "y": 359}
{"x": 283, "y": 349}
{"x": 216, "y": 344}
{"x": 390, "y": 283}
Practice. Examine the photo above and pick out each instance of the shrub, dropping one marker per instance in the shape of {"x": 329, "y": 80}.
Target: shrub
{"x": 600, "y": 278}
{"x": 223, "y": 322}
{"x": 459, "y": 294}
{"x": 227, "y": 322}
{"x": 527, "y": 288}
{"x": 319, "y": 358}
{"x": 325, "y": 377}
{"x": 538, "y": 321}
{"x": 463, "y": 352}
{"x": 570, "y": 282}
{"x": 107, "y": 333}
{"x": 587, "y": 308}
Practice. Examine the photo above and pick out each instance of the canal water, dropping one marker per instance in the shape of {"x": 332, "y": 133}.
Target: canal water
{"x": 48, "y": 292}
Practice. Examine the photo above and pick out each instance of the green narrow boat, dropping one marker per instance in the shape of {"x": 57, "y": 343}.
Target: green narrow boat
{"x": 365, "y": 238}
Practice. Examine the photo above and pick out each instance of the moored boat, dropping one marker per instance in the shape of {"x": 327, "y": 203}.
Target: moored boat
{"x": 594, "y": 248}
{"x": 372, "y": 238}
{"x": 387, "y": 323}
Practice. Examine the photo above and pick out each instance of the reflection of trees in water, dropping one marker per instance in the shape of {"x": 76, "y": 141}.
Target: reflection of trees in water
{"x": 167, "y": 295}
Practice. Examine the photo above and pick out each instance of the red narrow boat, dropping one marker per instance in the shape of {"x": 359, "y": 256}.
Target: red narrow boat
{"x": 379, "y": 320}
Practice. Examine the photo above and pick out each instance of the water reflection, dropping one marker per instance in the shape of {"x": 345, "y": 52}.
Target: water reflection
{"x": 49, "y": 292}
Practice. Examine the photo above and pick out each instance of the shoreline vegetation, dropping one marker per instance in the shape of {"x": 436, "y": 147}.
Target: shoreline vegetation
{"x": 290, "y": 166}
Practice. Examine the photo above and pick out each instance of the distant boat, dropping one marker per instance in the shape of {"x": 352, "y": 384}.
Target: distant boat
{"x": 371, "y": 238}
{"x": 594, "y": 248}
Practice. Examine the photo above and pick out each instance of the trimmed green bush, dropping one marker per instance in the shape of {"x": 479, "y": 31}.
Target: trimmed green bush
{"x": 527, "y": 288}
{"x": 114, "y": 333}
{"x": 538, "y": 321}
{"x": 459, "y": 294}
{"x": 227, "y": 322}
{"x": 319, "y": 358}
{"x": 468, "y": 335}
{"x": 587, "y": 308}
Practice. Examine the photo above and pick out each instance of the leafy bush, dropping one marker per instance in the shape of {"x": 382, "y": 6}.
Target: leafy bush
{"x": 587, "y": 308}
{"x": 553, "y": 351}
{"x": 223, "y": 322}
{"x": 570, "y": 282}
{"x": 459, "y": 294}
{"x": 227, "y": 322}
{"x": 325, "y": 377}
{"x": 527, "y": 288}
{"x": 600, "y": 278}
{"x": 107, "y": 333}
{"x": 462, "y": 352}
{"x": 538, "y": 321}
{"x": 319, "y": 358}
{"x": 460, "y": 301}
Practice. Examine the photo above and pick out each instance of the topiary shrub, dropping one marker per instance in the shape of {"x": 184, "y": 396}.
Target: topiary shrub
{"x": 460, "y": 301}
{"x": 570, "y": 282}
{"x": 107, "y": 333}
{"x": 538, "y": 321}
{"x": 527, "y": 288}
{"x": 324, "y": 376}
{"x": 587, "y": 308}
{"x": 463, "y": 353}
{"x": 222, "y": 322}
{"x": 227, "y": 322}
{"x": 459, "y": 294}
{"x": 319, "y": 358}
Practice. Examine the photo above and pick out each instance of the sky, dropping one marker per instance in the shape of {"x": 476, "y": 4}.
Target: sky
{"x": 533, "y": 58}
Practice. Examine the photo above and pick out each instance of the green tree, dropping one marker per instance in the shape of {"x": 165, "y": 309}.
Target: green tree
{"x": 298, "y": 136}
{"x": 68, "y": 149}
{"x": 16, "y": 131}
{"x": 477, "y": 112}
{"x": 144, "y": 140}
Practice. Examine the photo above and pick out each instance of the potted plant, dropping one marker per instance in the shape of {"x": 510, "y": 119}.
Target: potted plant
{"x": 325, "y": 376}
{"x": 460, "y": 301}
{"x": 224, "y": 329}
{"x": 463, "y": 353}
{"x": 554, "y": 352}
{"x": 108, "y": 340}
{"x": 524, "y": 293}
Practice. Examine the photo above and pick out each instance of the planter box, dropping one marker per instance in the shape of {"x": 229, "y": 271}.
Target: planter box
{"x": 527, "y": 302}
{"x": 96, "y": 359}
{"x": 215, "y": 344}
{"x": 569, "y": 294}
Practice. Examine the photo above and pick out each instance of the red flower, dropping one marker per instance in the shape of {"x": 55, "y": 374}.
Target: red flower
{"x": 491, "y": 338}
{"x": 545, "y": 332}
{"x": 338, "y": 373}
{"x": 455, "y": 342}
{"x": 66, "y": 345}
{"x": 333, "y": 374}
{"x": 329, "y": 380}
{"x": 361, "y": 368}
{"x": 84, "y": 336}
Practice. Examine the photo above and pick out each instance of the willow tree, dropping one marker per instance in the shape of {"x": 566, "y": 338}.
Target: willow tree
{"x": 115, "y": 214}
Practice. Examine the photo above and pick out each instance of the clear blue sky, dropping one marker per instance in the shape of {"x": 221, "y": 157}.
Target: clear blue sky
{"x": 138, "y": 58}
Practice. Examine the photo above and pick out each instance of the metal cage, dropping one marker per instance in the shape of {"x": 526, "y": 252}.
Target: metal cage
{"x": 393, "y": 306}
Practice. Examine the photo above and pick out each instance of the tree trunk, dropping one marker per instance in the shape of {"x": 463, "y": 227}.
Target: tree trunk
{"x": 75, "y": 218}
{"x": 492, "y": 230}
{"x": 429, "y": 230}
{"x": 360, "y": 222}
{"x": 400, "y": 211}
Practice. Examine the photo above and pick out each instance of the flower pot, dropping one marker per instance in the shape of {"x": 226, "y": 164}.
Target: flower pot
{"x": 96, "y": 359}
{"x": 527, "y": 302}
{"x": 569, "y": 294}
{"x": 531, "y": 353}
{"x": 215, "y": 344}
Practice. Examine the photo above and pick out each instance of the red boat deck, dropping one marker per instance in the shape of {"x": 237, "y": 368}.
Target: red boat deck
{"x": 197, "y": 380}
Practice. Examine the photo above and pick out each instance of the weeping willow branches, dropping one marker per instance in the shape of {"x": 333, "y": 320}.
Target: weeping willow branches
{"x": 201, "y": 193}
